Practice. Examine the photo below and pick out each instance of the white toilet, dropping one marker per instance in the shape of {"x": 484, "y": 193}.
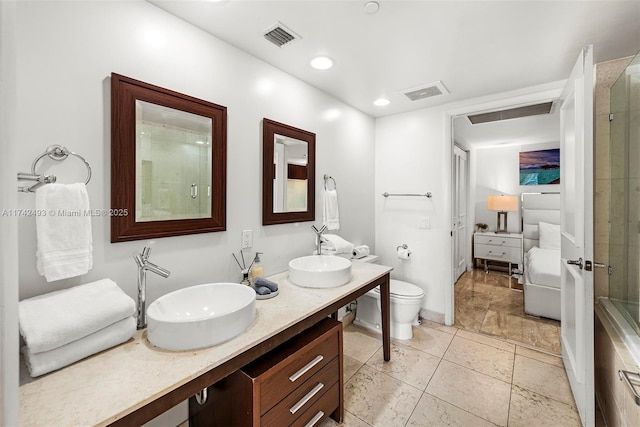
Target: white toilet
{"x": 406, "y": 301}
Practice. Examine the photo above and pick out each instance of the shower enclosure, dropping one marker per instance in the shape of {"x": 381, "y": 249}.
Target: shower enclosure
{"x": 624, "y": 226}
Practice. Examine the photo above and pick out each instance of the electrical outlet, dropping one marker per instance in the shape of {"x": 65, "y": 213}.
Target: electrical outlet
{"x": 424, "y": 222}
{"x": 247, "y": 239}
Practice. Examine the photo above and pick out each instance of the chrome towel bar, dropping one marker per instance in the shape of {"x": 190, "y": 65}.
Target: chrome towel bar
{"x": 427, "y": 195}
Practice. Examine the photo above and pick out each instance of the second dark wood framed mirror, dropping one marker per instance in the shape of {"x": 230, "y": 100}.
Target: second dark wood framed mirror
{"x": 288, "y": 173}
{"x": 168, "y": 162}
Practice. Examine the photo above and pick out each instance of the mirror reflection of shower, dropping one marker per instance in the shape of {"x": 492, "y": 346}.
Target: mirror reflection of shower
{"x": 173, "y": 163}
{"x": 624, "y": 234}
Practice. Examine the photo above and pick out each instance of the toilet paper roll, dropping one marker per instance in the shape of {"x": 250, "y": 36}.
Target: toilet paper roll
{"x": 361, "y": 251}
{"x": 404, "y": 253}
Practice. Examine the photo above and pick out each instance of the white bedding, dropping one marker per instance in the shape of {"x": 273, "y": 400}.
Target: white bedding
{"x": 542, "y": 267}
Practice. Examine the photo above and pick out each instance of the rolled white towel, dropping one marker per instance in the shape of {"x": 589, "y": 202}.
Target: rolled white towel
{"x": 48, "y": 361}
{"x": 57, "y": 318}
{"x": 360, "y": 251}
{"x": 336, "y": 244}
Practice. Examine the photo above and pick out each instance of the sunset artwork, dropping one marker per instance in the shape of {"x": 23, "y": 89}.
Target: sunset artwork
{"x": 540, "y": 167}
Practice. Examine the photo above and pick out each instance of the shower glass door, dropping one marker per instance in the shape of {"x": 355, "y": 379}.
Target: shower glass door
{"x": 624, "y": 227}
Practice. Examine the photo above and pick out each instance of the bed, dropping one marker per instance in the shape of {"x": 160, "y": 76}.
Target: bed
{"x": 541, "y": 240}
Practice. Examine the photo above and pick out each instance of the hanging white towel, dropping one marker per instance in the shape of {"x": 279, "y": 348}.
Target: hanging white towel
{"x": 57, "y": 318}
{"x": 48, "y": 361}
{"x": 330, "y": 214}
{"x": 63, "y": 231}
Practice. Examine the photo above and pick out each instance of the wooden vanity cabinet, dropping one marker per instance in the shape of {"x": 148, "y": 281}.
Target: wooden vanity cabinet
{"x": 297, "y": 383}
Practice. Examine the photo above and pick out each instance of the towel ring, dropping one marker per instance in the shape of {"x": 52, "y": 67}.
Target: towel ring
{"x": 327, "y": 178}
{"x": 60, "y": 153}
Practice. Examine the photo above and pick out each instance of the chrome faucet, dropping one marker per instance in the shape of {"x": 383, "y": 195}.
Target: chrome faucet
{"x": 319, "y": 237}
{"x": 144, "y": 265}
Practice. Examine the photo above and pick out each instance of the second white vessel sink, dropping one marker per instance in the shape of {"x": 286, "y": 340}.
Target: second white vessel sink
{"x": 200, "y": 316}
{"x": 320, "y": 271}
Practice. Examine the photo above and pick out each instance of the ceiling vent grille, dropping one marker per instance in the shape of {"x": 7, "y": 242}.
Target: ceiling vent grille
{"x": 512, "y": 113}
{"x": 280, "y": 35}
{"x": 426, "y": 91}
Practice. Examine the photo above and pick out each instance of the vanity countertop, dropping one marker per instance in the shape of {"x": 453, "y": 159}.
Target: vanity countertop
{"x": 116, "y": 382}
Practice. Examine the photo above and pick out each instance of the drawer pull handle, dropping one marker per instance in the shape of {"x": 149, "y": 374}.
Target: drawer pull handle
{"x": 494, "y": 253}
{"x": 307, "y": 397}
{"x": 315, "y": 419}
{"x": 306, "y": 368}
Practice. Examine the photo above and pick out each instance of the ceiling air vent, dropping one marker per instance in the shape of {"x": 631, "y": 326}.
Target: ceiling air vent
{"x": 426, "y": 91}
{"x": 512, "y": 113}
{"x": 280, "y": 35}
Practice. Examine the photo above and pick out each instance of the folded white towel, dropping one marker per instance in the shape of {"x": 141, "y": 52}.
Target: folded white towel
{"x": 48, "y": 361}
{"x": 330, "y": 214}
{"x": 63, "y": 232}
{"x": 335, "y": 244}
{"x": 57, "y": 318}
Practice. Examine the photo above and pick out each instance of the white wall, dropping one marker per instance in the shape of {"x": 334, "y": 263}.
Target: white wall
{"x": 412, "y": 158}
{"x": 496, "y": 171}
{"x": 8, "y": 223}
{"x": 66, "y": 53}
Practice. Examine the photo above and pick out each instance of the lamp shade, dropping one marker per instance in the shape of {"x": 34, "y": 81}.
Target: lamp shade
{"x": 502, "y": 203}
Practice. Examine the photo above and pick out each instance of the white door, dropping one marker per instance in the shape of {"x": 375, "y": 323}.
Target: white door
{"x": 460, "y": 241}
{"x": 576, "y": 180}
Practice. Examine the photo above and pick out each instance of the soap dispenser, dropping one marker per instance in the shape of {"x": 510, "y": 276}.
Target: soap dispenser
{"x": 257, "y": 270}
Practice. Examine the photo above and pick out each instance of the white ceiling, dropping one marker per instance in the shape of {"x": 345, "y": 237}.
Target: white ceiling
{"x": 476, "y": 48}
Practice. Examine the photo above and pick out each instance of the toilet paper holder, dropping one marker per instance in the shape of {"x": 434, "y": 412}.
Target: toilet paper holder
{"x": 403, "y": 251}
{"x": 403, "y": 246}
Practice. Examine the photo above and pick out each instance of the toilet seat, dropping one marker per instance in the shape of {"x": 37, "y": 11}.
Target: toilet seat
{"x": 401, "y": 290}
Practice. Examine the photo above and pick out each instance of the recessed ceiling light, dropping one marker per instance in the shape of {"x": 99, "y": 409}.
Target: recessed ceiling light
{"x": 381, "y": 102}
{"x": 321, "y": 63}
{"x": 371, "y": 7}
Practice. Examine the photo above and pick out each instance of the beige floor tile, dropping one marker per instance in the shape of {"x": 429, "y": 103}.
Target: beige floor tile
{"x": 469, "y": 318}
{"x": 434, "y": 412}
{"x": 481, "y": 358}
{"x": 527, "y": 406}
{"x": 444, "y": 328}
{"x": 542, "y": 378}
{"x": 507, "y": 300}
{"x": 407, "y": 364}
{"x": 429, "y": 340}
{"x": 480, "y": 394}
{"x": 351, "y": 366}
{"x": 378, "y": 399}
{"x": 528, "y": 331}
{"x": 358, "y": 345}
{"x": 486, "y": 339}
{"x": 551, "y": 359}
{"x": 349, "y": 420}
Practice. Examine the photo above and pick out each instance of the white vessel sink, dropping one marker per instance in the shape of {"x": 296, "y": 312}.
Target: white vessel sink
{"x": 319, "y": 271}
{"x": 200, "y": 316}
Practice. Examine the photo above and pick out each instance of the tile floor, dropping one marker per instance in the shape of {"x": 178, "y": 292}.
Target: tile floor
{"x": 447, "y": 376}
{"x": 496, "y": 366}
{"x": 484, "y": 303}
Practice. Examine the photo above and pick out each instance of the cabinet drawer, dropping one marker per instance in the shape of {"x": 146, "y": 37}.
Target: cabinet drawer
{"x": 505, "y": 253}
{"x": 278, "y": 373}
{"x": 498, "y": 240}
{"x": 303, "y": 397}
{"x": 320, "y": 410}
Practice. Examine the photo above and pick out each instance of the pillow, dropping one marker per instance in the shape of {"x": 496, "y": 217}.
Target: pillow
{"x": 549, "y": 235}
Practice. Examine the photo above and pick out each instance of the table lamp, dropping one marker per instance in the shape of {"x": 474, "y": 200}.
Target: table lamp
{"x": 502, "y": 204}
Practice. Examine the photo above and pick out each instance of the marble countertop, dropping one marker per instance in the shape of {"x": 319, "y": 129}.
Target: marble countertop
{"x": 109, "y": 385}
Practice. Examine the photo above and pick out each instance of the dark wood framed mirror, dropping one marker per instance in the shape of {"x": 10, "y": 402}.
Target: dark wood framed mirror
{"x": 168, "y": 162}
{"x": 288, "y": 173}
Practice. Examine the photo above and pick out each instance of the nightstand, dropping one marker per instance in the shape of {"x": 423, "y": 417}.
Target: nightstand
{"x": 502, "y": 247}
